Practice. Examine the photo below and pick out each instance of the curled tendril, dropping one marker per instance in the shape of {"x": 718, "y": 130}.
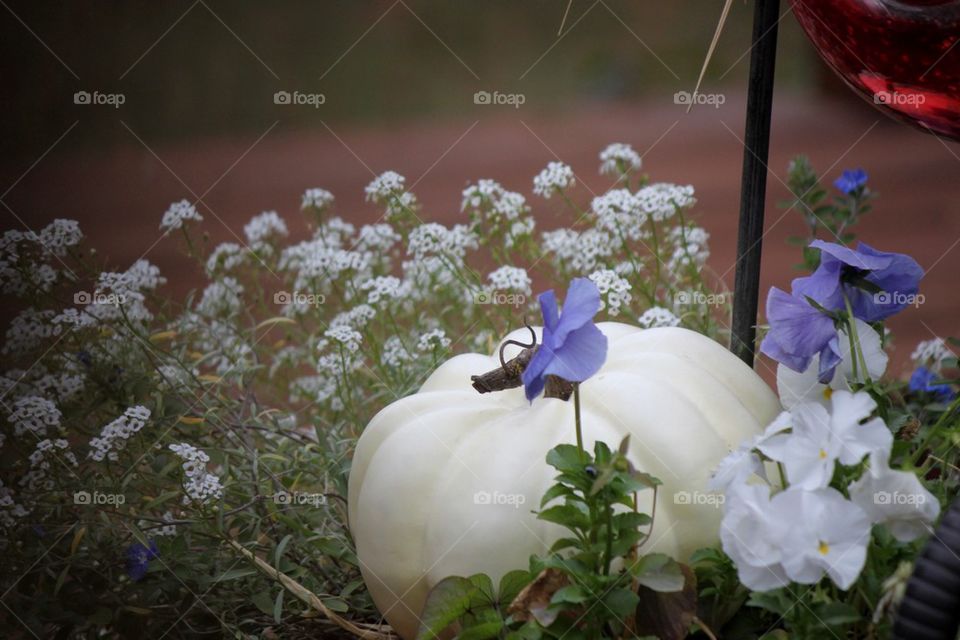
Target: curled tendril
{"x": 533, "y": 343}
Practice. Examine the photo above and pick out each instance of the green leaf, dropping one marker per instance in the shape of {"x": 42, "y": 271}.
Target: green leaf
{"x": 511, "y": 584}
{"x": 280, "y": 547}
{"x": 447, "y": 601}
{"x": 570, "y": 594}
{"x": 565, "y": 457}
{"x": 566, "y": 515}
{"x": 483, "y": 631}
{"x": 837, "y": 613}
{"x": 278, "y": 607}
{"x": 263, "y": 601}
{"x": 554, "y": 492}
{"x": 621, "y": 602}
{"x": 659, "y": 572}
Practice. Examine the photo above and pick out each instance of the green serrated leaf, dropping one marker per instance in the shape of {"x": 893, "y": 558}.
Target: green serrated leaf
{"x": 447, "y": 601}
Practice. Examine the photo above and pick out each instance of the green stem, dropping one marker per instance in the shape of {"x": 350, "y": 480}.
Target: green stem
{"x": 576, "y": 414}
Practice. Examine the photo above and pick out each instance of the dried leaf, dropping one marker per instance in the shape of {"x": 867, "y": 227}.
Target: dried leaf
{"x": 668, "y": 616}
{"x": 534, "y": 599}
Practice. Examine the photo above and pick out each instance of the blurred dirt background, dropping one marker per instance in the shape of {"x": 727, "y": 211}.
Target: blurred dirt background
{"x": 199, "y": 121}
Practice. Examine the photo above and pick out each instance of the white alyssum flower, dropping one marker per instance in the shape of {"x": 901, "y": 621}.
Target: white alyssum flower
{"x": 796, "y": 388}
{"x": 619, "y": 159}
{"x": 394, "y": 354}
{"x": 389, "y": 189}
{"x": 690, "y": 248}
{"x": 895, "y": 498}
{"x": 378, "y": 238}
{"x": 221, "y": 298}
{"x": 225, "y": 258}
{"x": 345, "y": 335}
{"x": 35, "y": 415}
{"x": 166, "y": 530}
{"x": 264, "y": 228}
{"x": 614, "y": 290}
{"x": 177, "y": 214}
{"x": 433, "y": 239}
{"x": 932, "y": 353}
{"x": 508, "y": 278}
{"x": 384, "y": 288}
{"x": 60, "y": 235}
{"x": 489, "y": 201}
{"x": 819, "y": 439}
{"x": 576, "y": 251}
{"x": 200, "y": 486}
{"x": 657, "y": 317}
{"x": 481, "y": 194}
{"x": 316, "y": 198}
{"x": 519, "y": 229}
{"x": 619, "y": 213}
{"x": 28, "y": 330}
{"x": 433, "y": 339}
{"x": 114, "y": 436}
{"x": 553, "y": 179}
{"x": 662, "y": 200}
{"x": 355, "y": 318}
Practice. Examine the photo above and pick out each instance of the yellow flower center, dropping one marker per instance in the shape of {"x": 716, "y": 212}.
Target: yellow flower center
{"x": 827, "y": 393}
{"x": 823, "y": 454}
{"x": 824, "y": 548}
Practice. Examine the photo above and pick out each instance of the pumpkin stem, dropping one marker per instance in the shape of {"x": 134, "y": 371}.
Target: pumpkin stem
{"x": 508, "y": 375}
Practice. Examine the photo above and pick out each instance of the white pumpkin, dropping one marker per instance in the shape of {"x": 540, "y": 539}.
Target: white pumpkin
{"x": 444, "y": 481}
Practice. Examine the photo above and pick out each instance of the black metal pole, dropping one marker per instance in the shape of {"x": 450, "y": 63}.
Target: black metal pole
{"x": 753, "y": 185}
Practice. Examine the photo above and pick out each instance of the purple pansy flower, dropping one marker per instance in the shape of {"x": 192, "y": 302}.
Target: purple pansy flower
{"x": 877, "y": 284}
{"x": 803, "y": 323}
{"x": 138, "y": 559}
{"x": 851, "y": 180}
{"x": 924, "y": 380}
{"x": 799, "y": 331}
{"x": 572, "y": 347}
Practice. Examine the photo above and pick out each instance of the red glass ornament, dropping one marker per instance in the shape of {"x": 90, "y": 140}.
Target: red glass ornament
{"x": 903, "y": 56}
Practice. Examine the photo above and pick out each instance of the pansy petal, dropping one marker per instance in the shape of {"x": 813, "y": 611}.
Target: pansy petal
{"x": 796, "y": 328}
{"x": 823, "y": 285}
{"x": 581, "y": 356}
{"x": 854, "y": 258}
{"x": 579, "y": 307}
{"x": 830, "y": 358}
{"x": 548, "y": 307}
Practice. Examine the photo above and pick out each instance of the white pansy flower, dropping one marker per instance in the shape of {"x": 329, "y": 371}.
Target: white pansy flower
{"x": 825, "y": 534}
{"x": 818, "y": 438}
{"x": 553, "y": 179}
{"x": 795, "y": 388}
{"x": 895, "y": 498}
{"x": 750, "y": 535}
{"x": 177, "y": 214}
